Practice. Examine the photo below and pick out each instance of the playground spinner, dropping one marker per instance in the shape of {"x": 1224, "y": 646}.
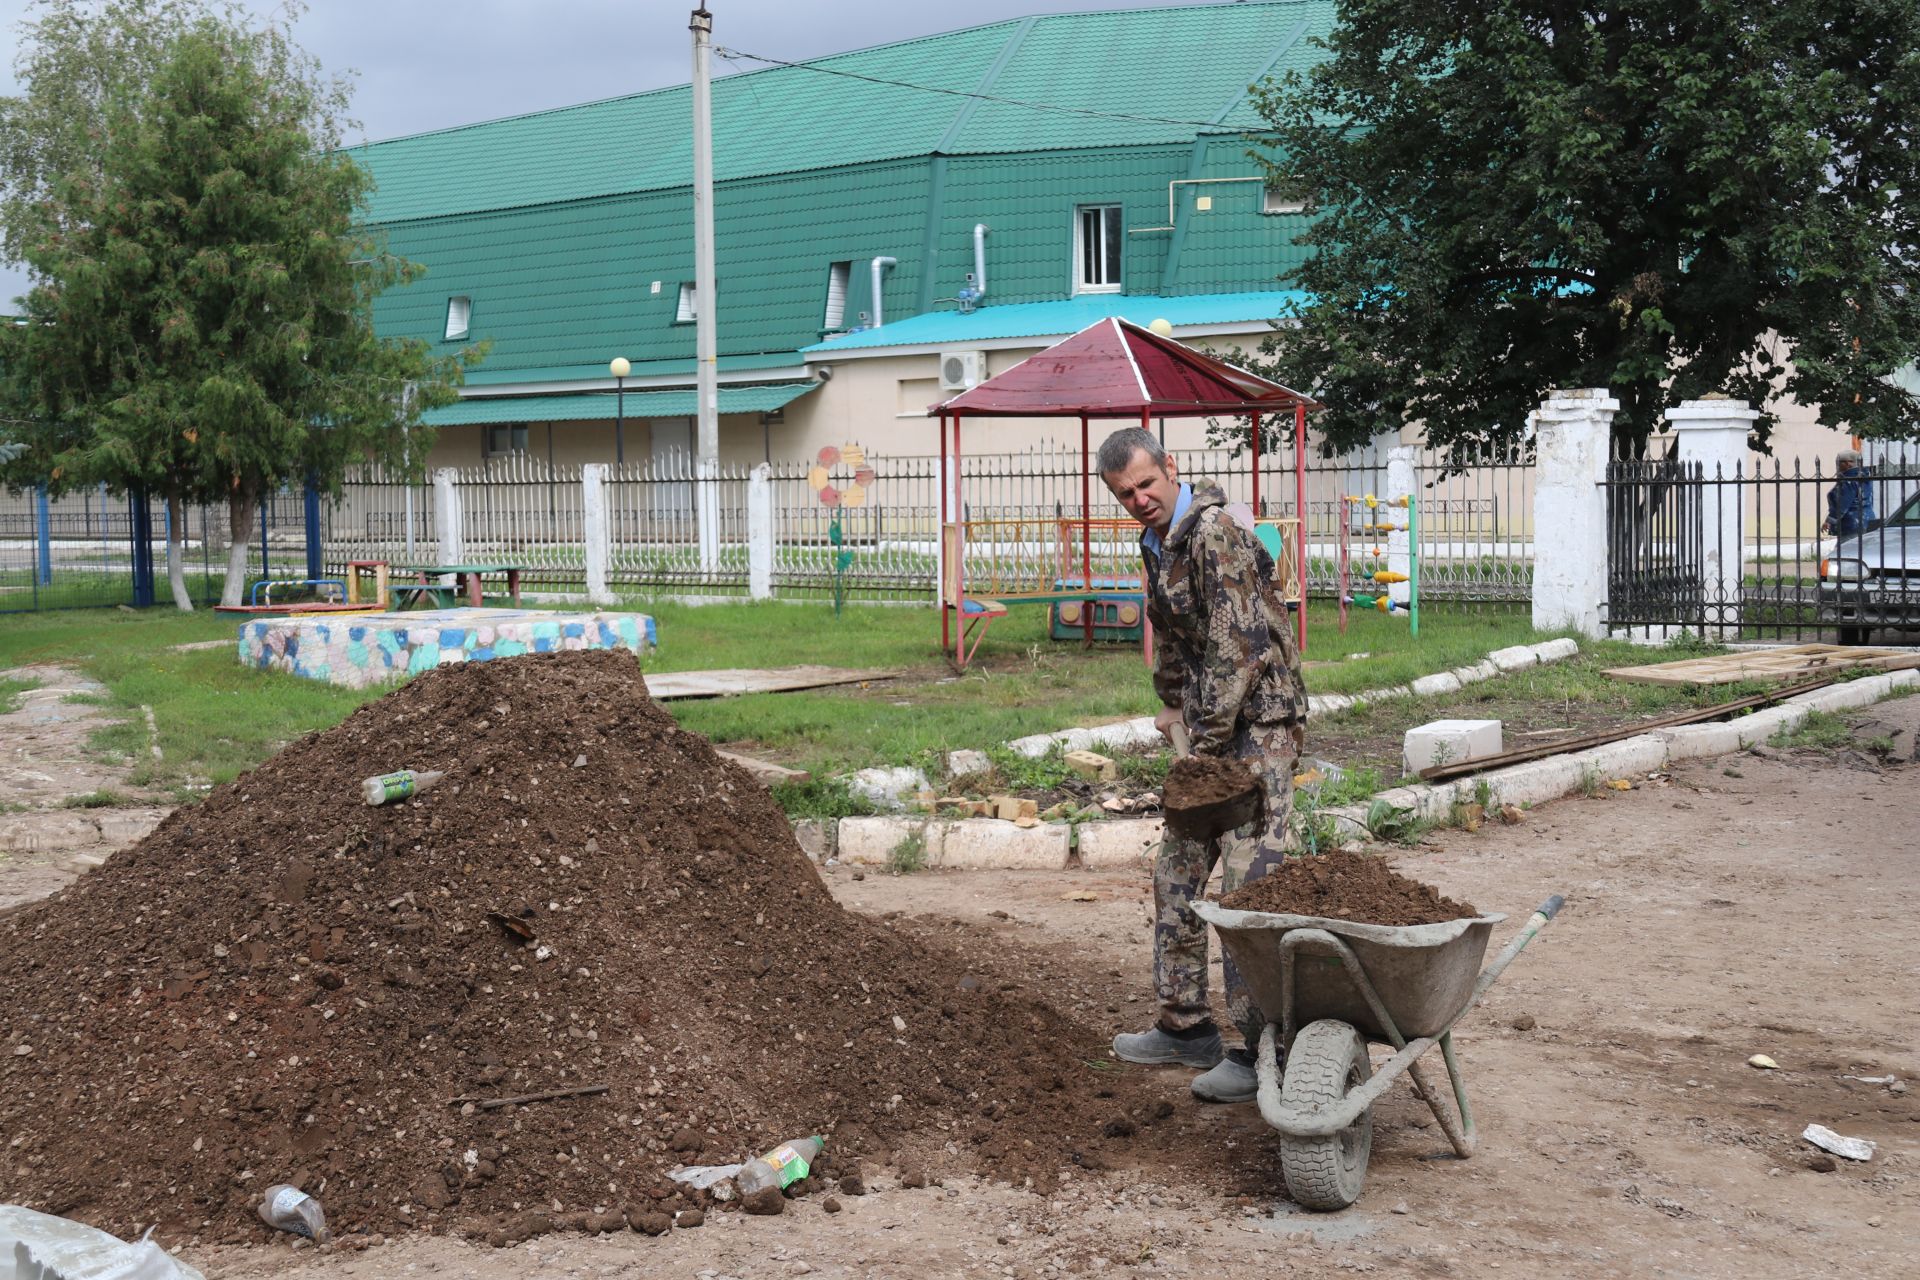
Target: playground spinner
{"x": 1378, "y": 521}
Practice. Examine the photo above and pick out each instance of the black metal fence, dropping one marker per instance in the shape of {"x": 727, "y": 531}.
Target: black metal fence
{"x": 93, "y": 548}
{"x": 1770, "y": 551}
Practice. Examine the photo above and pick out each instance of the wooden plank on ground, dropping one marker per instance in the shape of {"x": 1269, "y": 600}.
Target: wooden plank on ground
{"x": 1796, "y": 662}
{"x": 765, "y": 770}
{"x": 668, "y": 685}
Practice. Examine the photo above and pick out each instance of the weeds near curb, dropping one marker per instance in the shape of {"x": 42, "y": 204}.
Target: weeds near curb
{"x": 909, "y": 856}
{"x": 1398, "y": 826}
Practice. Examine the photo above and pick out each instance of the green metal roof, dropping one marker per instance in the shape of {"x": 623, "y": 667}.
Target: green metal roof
{"x": 605, "y": 407}
{"x": 1121, "y": 78}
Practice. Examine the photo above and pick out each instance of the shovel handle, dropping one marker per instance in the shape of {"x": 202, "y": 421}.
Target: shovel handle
{"x": 1182, "y": 744}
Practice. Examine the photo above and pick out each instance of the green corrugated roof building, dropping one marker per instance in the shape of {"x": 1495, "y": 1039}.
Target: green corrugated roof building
{"x": 1104, "y": 153}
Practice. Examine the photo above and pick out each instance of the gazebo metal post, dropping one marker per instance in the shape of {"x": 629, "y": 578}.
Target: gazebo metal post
{"x": 1086, "y": 536}
{"x": 940, "y": 543}
{"x": 1300, "y": 507}
{"x": 959, "y": 552}
{"x": 1253, "y": 432}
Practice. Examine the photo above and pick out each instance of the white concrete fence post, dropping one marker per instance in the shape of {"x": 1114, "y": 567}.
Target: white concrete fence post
{"x": 1402, "y": 482}
{"x": 597, "y": 530}
{"x": 1572, "y": 430}
{"x": 760, "y": 532}
{"x": 1712, "y": 432}
{"x": 447, "y": 517}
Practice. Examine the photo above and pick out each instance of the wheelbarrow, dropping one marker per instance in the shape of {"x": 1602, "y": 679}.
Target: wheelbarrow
{"x": 1327, "y": 989}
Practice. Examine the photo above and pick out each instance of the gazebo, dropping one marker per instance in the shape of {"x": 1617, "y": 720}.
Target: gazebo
{"x": 1112, "y": 370}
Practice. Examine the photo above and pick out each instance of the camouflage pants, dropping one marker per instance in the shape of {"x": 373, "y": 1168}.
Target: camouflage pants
{"x": 1181, "y": 871}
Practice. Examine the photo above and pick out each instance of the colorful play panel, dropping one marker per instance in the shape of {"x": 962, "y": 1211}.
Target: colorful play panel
{"x": 377, "y": 648}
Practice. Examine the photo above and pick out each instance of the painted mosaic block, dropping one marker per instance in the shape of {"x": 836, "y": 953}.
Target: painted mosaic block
{"x": 383, "y": 647}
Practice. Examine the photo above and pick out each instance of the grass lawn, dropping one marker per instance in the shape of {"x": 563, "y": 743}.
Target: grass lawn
{"x": 216, "y": 718}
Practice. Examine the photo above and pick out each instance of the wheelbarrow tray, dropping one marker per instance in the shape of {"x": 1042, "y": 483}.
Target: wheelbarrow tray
{"x": 1424, "y": 974}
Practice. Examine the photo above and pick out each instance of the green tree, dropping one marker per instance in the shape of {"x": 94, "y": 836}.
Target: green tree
{"x": 200, "y": 322}
{"x": 1665, "y": 197}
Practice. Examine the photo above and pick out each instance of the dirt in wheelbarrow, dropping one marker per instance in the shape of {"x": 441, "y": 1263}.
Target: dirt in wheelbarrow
{"x": 281, "y": 984}
{"x": 1347, "y": 886}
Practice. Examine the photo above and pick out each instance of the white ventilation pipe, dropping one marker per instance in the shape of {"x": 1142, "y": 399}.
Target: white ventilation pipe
{"x": 880, "y": 308}
{"x": 980, "y": 259}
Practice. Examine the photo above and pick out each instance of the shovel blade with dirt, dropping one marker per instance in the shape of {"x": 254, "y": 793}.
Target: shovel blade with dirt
{"x": 1207, "y": 796}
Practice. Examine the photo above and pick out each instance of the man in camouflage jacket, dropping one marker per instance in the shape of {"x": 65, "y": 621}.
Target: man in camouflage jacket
{"x": 1226, "y": 664}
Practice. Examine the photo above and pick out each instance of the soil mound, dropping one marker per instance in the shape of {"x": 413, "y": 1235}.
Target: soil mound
{"x": 1346, "y": 886}
{"x": 1198, "y": 782}
{"x": 283, "y": 985}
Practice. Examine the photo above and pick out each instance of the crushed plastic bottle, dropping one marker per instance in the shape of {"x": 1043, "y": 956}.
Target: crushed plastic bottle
{"x": 781, "y": 1167}
{"x": 287, "y": 1208}
{"x": 388, "y": 787}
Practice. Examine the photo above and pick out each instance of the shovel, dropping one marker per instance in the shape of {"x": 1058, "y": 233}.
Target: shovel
{"x": 1215, "y": 815}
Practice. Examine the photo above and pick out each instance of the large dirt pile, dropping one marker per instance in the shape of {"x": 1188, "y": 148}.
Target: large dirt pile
{"x": 281, "y": 984}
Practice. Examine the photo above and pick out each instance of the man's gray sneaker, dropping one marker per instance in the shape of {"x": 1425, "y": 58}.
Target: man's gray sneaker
{"x": 1233, "y": 1080}
{"x": 1155, "y": 1047}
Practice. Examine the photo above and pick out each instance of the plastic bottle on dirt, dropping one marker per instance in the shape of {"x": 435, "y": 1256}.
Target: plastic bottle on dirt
{"x": 388, "y": 787}
{"x": 288, "y": 1208}
{"x": 781, "y": 1167}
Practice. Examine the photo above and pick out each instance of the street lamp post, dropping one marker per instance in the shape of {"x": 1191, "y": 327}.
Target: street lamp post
{"x": 619, "y": 368}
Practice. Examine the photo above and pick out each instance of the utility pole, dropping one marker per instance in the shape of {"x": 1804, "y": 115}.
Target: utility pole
{"x": 705, "y": 302}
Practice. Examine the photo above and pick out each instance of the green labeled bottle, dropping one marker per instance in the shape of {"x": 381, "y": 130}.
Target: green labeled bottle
{"x": 781, "y": 1167}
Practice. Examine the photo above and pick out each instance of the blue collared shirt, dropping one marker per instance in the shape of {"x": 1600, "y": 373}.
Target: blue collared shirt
{"x": 1151, "y": 538}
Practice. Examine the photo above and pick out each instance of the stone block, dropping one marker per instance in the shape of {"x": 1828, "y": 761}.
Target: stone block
{"x": 962, "y": 763}
{"x": 1438, "y": 683}
{"x": 814, "y": 837}
{"x": 1555, "y": 650}
{"x": 1120, "y": 843}
{"x": 1450, "y": 742}
{"x": 869, "y": 841}
{"x": 977, "y": 844}
{"x": 1092, "y": 766}
{"x": 1518, "y": 658}
{"x": 887, "y": 788}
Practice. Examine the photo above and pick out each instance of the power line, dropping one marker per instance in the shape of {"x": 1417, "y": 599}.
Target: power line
{"x": 734, "y": 55}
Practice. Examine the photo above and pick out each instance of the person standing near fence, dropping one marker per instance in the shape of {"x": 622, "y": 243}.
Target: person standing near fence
{"x": 1226, "y": 665}
{"x": 1850, "y": 501}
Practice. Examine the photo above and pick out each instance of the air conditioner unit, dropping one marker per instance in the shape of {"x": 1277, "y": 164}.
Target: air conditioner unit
{"x": 962, "y": 370}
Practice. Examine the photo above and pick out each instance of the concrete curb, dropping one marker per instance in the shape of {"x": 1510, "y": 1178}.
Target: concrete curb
{"x": 1140, "y": 731}
{"x": 985, "y": 843}
{"x": 1539, "y": 781}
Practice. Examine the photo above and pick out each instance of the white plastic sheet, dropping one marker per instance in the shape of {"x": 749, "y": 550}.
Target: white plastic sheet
{"x": 40, "y": 1246}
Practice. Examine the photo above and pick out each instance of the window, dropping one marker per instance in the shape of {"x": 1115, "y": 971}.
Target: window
{"x": 1284, "y": 200}
{"x": 459, "y": 317}
{"x": 505, "y": 438}
{"x": 838, "y": 276}
{"x": 687, "y": 309}
{"x": 1098, "y": 239}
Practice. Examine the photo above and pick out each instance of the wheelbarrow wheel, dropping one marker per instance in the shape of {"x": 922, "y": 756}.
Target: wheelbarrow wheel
{"x": 1328, "y": 1061}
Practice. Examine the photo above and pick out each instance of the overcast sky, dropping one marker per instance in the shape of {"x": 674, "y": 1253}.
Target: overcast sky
{"x": 427, "y": 64}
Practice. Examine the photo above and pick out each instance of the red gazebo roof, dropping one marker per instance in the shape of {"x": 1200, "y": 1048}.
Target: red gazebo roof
{"x": 1116, "y": 369}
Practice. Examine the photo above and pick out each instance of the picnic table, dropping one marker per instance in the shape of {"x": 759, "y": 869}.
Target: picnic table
{"x": 466, "y": 581}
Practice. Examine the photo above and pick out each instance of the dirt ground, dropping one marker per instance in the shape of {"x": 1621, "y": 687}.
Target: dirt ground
{"x": 44, "y": 761}
{"x": 1754, "y": 904}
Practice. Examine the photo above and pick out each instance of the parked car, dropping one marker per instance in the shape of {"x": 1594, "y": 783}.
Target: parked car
{"x": 1871, "y": 580}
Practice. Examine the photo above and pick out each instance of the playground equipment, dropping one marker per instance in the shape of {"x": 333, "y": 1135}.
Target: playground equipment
{"x": 1378, "y": 520}
{"x": 1111, "y": 370}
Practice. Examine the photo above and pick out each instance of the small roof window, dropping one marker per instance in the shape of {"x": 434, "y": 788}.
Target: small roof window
{"x": 459, "y": 317}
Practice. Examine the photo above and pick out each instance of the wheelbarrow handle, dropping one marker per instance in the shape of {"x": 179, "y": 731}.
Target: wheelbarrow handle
{"x": 1551, "y": 907}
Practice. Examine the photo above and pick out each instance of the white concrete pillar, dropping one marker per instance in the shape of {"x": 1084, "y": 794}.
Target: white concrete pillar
{"x": 1712, "y": 432}
{"x": 1572, "y": 430}
{"x": 760, "y": 532}
{"x": 447, "y": 516}
{"x": 1402, "y": 481}
{"x": 597, "y": 530}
